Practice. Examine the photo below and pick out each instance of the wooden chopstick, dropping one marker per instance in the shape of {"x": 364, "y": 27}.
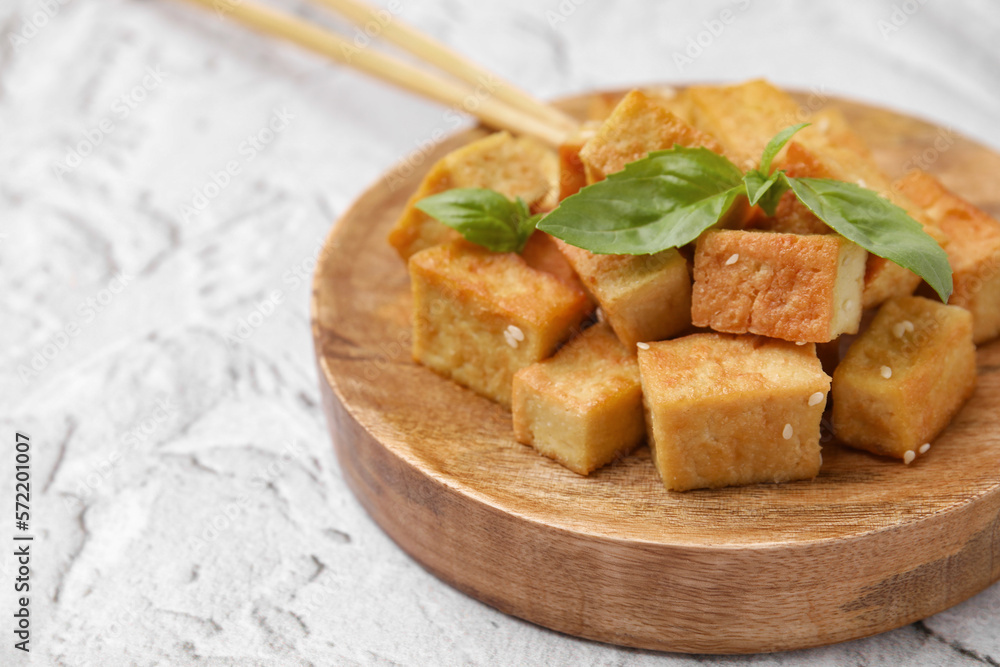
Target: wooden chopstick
{"x": 431, "y": 51}
{"x": 487, "y": 107}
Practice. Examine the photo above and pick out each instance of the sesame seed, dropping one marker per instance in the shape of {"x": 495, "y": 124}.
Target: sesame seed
{"x": 899, "y": 329}
{"x": 862, "y": 182}
{"x": 924, "y": 448}
{"x": 510, "y": 339}
{"x": 800, "y": 343}
{"x": 733, "y": 259}
{"x": 787, "y": 432}
{"x": 847, "y": 304}
{"x": 600, "y": 314}
{"x": 816, "y": 398}
{"x": 886, "y": 372}
{"x": 515, "y": 332}
{"x": 823, "y": 125}
{"x": 909, "y": 456}
{"x": 642, "y": 346}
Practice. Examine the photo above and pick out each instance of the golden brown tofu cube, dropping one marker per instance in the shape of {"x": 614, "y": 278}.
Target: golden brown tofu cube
{"x": 515, "y": 167}
{"x": 837, "y": 153}
{"x": 905, "y": 378}
{"x": 582, "y": 407}
{"x": 788, "y": 286}
{"x": 743, "y": 117}
{"x": 479, "y": 316}
{"x": 729, "y": 410}
{"x": 973, "y": 249}
{"x": 644, "y": 297}
{"x": 542, "y": 252}
{"x": 638, "y": 126}
{"x": 572, "y": 172}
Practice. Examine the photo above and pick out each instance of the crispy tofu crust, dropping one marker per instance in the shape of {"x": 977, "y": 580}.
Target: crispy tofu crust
{"x": 743, "y": 117}
{"x": 905, "y": 378}
{"x": 643, "y": 297}
{"x": 515, "y": 167}
{"x": 638, "y": 126}
{"x": 729, "y": 410}
{"x": 582, "y": 407}
{"x": 830, "y": 149}
{"x": 542, "y": 252}
{"x": 479, "y": 316}
{"x": 973, "y": 249}
{"x": 787, "y": 286}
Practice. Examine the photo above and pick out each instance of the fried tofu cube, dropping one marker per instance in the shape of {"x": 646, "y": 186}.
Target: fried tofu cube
{"x": 788, "y": 286}
{"x": 480, "y": 316}
{"x": 832, "y": 150}
{"x": 514, "y": 167}
{"x": 973, "y": 249}
{"x": 542, "y": 252}
{"x": 572, "y": 172}
{"x": 643, "y": 297}
{"x": 729, "y": 410}
{"x": 582, "y": 407}
{"x": 905, "y": 378}
{"x": 743, "y": 117}
{"x": 638, "y": 126}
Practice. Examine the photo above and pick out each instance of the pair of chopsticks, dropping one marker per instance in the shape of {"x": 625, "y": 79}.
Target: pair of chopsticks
{"x": 472, "y": 89}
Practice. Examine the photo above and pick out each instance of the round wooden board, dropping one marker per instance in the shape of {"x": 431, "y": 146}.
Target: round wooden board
{"x": 868, "y": 546}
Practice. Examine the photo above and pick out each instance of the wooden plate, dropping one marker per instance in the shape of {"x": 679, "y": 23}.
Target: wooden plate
{"x": 868, "y": 546}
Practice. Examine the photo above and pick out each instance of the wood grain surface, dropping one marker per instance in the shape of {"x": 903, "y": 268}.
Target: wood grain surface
{"x": 868, "y": 546}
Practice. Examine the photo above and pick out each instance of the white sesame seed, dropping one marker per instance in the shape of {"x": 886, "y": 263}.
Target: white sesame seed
{"x": 787, "y": 432}
{"x": 510, "y": 339}
{"x": 823, "y": 125}
{"x": 515, "y": 332}
{"x": 800, "y": 343}
{"x": 816, "y": 398}
{"x": 847, "y": 304}
{"x": 924, "y": 448}
{"x": 886, "y": 372}
{"x": 735, "y": 257}
{"x": 862, "y": 182}
{"x": 600, "y": 314}
{"x": 909, "y": 456}
{"x": 642, "y": 346}
{"x": 899, "y": 329}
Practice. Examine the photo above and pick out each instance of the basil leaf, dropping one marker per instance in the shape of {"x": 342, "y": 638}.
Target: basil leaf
{"x": 483, "y": 216}
{"x": 878, "y": 226}
{"x": 664, "y": 200}
{"x": 765, "y": 191}
{"x": 775, "y": 145}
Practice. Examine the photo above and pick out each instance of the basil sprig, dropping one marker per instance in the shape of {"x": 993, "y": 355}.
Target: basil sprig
{"x": 667, "y": 199}
{"x": 483, "y": 216}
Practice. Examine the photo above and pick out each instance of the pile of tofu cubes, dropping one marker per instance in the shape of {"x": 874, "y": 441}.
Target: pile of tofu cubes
{"x": 718, "y": 355}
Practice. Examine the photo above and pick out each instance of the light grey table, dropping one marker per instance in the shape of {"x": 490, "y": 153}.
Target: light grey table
{"x": 155, "y": 335}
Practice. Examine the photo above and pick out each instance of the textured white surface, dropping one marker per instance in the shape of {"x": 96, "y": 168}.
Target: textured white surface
{"x": 187, "y": 503}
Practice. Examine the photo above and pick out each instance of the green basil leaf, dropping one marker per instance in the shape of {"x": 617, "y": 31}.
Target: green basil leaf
{"x": 482, "y": 216}
{"x": 775, "y": 145}
{"x": 664, "y": 200}
{"x": 765, "y": 191}
{"x": 878, "y": 226}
